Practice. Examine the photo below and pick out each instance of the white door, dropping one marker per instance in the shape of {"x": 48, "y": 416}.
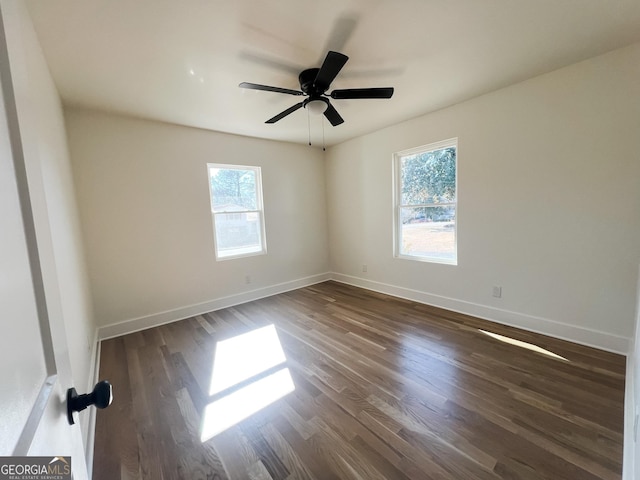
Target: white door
{"x": 34, "y": 364}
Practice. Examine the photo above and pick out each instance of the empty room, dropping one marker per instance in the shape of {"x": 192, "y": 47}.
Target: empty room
{"x": 339, "y": 240}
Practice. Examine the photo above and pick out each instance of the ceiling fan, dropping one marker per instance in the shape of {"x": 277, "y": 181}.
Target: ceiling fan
{"x": 314, "y": 83}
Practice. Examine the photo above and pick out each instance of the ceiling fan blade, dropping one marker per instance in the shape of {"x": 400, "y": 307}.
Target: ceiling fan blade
{"x": 341, "y": 32}
{"x": 333, "y": 116}
{"x": 270, "y": 62}
{"x": 281, "y": 115}
{"x": 330, "y": 68}
{"x": 267, "y": 88}
{"x": 349, "y": 93}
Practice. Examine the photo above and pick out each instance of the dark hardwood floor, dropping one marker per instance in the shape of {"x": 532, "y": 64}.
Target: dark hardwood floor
{"x": 384, "y": 389}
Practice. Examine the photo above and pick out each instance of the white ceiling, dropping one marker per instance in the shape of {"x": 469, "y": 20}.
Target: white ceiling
{"x": 181, "y": 61}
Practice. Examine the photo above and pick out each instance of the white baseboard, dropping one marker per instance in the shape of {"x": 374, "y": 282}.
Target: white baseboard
{"x": 563, "y": 331}
{"x": 161, "y": 318}
{"x": 545, "y": 326}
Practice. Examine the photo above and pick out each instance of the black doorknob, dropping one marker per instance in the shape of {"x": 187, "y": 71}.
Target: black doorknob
{"x": 101, "y": 397}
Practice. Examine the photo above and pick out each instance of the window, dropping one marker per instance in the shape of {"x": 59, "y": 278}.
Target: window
{"x": 425, "y": 203}
{"x": 236, "y": 206}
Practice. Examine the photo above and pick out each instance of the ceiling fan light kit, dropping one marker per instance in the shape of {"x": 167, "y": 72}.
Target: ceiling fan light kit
{"x": 317, "y": 106}
{"x": 314, "y": 83}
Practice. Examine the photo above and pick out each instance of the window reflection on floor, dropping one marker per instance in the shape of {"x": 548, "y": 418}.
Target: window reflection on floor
{"x": 528, "y": 346}
{"x": 249, "y": 373}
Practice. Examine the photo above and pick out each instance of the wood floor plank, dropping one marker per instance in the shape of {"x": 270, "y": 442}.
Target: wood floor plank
{"x": 383, "y": 388}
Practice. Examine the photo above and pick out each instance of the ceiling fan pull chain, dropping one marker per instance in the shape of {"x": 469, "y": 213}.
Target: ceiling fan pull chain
{"x": 323, "y": 149}
{"x": 309, "y": 126}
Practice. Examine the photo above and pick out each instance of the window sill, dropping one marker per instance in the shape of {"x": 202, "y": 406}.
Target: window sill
{"x": 425, "y": 259}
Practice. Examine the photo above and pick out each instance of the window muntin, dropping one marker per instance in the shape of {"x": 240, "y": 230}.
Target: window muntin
{"x": 236, "y": 207}
{"x": 426, "y": 203}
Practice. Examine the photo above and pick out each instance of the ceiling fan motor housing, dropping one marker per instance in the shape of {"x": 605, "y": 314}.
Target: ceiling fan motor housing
{"x": 307, "y": 85}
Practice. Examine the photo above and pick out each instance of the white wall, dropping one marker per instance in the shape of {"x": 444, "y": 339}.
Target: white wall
{"x": 549, "y": 209}
{"x": 53, "y": 201}
{"x": 549, "y": 204}
{"x": 144, "y": 201}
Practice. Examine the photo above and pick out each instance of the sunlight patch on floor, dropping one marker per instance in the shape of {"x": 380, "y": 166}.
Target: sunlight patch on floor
{"x": 241, "y": 404}
{"x": 528, "y": 346}
{"x": 245, "y": 379}
{"x": 244, "y": 356}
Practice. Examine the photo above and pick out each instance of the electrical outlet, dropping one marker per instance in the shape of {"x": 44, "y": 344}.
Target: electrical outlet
{"x": 497, "y": 292}
{"x": 247, "y": 279}
{"x": 364, "y": 267}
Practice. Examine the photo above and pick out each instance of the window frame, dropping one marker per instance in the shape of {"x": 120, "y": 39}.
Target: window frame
{"x": 398, "y": 205}
{"x": 259, "y": 210}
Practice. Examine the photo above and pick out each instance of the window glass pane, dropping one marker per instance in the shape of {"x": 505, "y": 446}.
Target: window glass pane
{"x": 238, "y": 233}
{"x": 428, "y": 232}
{"x": 236, "y": 204}
{"x": 428, "y": 177}
{"x": 233, "y": 189}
